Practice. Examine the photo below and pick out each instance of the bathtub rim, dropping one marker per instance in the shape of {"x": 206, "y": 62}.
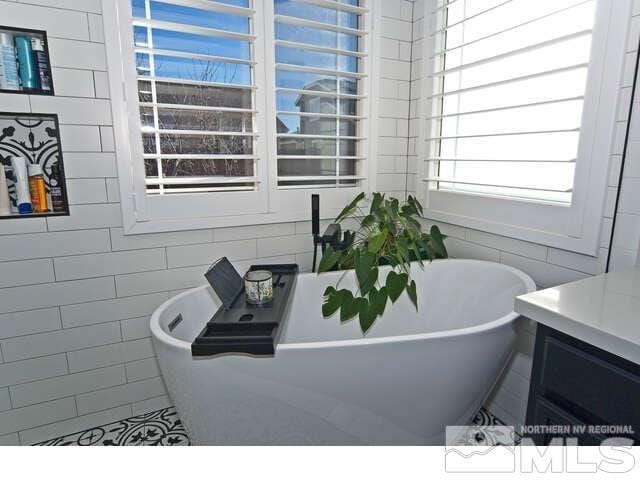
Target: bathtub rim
{"x": 159, "y": 334}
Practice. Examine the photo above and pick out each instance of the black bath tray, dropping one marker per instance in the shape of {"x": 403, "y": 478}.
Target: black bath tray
{"x": 246, "y": 328}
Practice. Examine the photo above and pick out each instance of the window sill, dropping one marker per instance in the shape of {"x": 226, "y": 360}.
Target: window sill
{"x": 552, "y": 225}
{"x": 160, "y": 225}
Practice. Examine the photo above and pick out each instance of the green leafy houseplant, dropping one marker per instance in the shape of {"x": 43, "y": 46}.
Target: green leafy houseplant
{"x": 389, "y": 234}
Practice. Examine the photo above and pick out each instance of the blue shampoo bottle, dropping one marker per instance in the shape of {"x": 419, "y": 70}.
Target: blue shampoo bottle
{"x": 27, "y": 67}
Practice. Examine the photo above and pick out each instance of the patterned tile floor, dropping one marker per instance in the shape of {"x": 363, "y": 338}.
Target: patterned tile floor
{"x": 156, "y": 428}
{"x": 484, "y": 418}
{"x": 165, "y": 428}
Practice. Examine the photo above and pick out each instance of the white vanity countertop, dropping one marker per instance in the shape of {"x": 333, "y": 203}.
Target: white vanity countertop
{"x": 603, "y": 311}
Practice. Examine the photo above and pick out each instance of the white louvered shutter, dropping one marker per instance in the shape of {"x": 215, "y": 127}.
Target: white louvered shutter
{"x": 509, "y": 80}
{"x": 319, "y": 58}
{"x": 196, "y": 88}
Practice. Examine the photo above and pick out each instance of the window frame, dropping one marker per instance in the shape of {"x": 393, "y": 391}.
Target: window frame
{"x": 143, "y": 213}
{"x": 575, "y": 227}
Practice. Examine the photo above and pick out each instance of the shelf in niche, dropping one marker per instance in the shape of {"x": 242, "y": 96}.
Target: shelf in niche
{"x": 36, "y": 137}
{"x": 42, "y": 36}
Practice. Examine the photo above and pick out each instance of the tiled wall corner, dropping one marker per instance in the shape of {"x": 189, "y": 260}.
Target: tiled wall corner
{"x": 393, "y": 96}
{"x": 625, "y": 249}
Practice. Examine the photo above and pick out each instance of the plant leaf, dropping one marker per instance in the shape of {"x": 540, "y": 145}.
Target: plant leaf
{"x": 403, "y": 250}
{"x": 366, "y": 316}
{"x": 392, "y": 227}
{"x": 329, "y": 290}
{"x": 366, "y": 271}
{"x": 416, "y": 252}
{"x": 408, "y": 210}
{"x": 376, "y": 202}
{"x": 378, "y": 300}
{"x": 350, "y": 307}
{"x": 437, "y": 242}
{"x": 376, "y": 242}
{"x": 390, "y": 259}
{"x": 395, "y": 284}
{"x": 414, "y": 223}
{"x": 368, "y": 221}
{"x": 394, "y": 207}
{"x": 413, "y": 201}
{"x": 329, "y": 259}
{"x": 425, "y": 243}
{"x": 411, "y": 291}
{"x": 351, "y": 207}
{"x": 370, "y": 281}
{"x": 331, "y": 304}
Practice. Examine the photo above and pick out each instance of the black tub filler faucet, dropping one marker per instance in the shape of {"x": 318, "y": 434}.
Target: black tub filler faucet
{"x": 331, "y": 235}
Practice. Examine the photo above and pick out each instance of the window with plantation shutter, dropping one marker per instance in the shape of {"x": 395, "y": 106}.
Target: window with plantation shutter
{"x": 232, "y": 112}
{"x": 196, "y": 86}
{"x": 512, "y": 82}
{"x": 519, "y": 114}
{"x": 319, "y": 87}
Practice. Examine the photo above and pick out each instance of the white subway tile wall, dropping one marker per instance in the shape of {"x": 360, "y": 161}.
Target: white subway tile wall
{"x": 91, "y": 358}
{"x": 75, "y": 292}
{"x": 5, "y": 401}
{"x": 150, "y": 405}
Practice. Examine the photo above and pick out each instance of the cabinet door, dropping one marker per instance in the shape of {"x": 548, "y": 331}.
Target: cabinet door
{"x": 573, "y": 383}
{"x": 546, "y": 414}
{"x": 603, "y": 392}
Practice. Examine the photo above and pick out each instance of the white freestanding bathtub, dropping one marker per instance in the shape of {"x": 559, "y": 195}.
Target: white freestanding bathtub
{"x": 413, "y": 373}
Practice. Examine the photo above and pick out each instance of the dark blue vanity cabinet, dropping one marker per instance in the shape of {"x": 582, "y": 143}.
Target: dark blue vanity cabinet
{"x": 575, "y": 384}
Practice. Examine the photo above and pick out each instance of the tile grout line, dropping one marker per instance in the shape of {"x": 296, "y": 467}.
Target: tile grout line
{"x": 74, "y": 395}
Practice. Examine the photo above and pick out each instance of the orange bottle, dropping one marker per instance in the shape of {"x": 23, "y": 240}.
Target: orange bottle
{"x": 37, "y": 189}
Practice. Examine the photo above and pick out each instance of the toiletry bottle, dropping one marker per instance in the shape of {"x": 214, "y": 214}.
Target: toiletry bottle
{"x": 37, "y": 188}
{"x": 9, "y": 79}
{"x": 55, "y": 189}
{"x": 19, "y": 165}
{"x": 26, "y": 64}
{"x": 42, "y": 66}
{"x": 5, "y": 202}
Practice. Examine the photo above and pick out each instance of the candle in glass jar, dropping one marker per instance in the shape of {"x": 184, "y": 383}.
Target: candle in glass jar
{"x": 258, "y": 286}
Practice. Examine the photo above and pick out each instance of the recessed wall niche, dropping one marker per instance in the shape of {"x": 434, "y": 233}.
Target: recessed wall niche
{"x": 35, "y": 138}
{"x": 25, "y": 66}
